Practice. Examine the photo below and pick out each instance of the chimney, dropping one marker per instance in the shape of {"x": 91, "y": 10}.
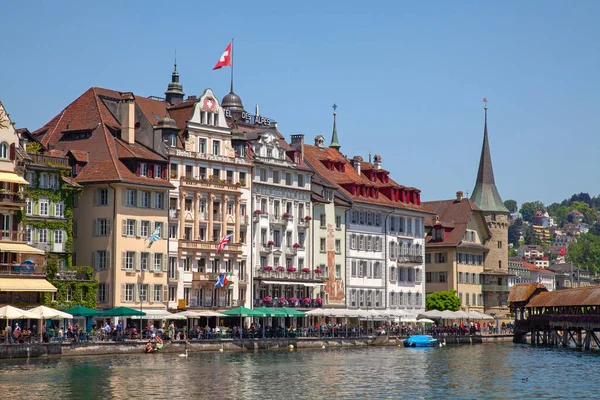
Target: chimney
{"x": 459, "y": 195}
{"x": 436, "y": 220}
{"x": 128, "y": 117}
{"x": 298, "y": 144}
{"x": 377, "y": 161}
{"x": 319, "y": 141}
{"x": 356, "y": 163}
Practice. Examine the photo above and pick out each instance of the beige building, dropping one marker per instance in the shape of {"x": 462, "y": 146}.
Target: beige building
{"x": 455, "y": 250}
{"x": 119, "y": 159}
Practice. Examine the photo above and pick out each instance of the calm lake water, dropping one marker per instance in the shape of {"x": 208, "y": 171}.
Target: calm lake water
{"x": 487, "y": 371}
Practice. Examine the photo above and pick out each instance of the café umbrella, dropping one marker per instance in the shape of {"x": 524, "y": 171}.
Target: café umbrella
{"x": 49, "y": 313}
{"x": 9, "y": 313}
{"x": 81, "y": 311}
{"x": 242, "y": 312}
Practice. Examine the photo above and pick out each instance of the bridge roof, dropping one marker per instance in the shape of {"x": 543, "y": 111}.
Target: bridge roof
{"x": 523, "y": 291}
{"x": 585, "y": 296}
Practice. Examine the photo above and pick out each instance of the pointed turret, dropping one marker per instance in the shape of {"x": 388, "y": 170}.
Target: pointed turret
{"x": 174, "y": 94}
{"x": 335, "y": 144}
{"x": 485, "y": 194}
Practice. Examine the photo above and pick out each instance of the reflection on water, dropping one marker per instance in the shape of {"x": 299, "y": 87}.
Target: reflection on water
{"x": 481, "y": 371}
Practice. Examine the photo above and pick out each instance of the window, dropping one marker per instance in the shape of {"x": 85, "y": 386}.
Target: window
{"x": 338, "y": 246}
{"x": 159, "y": 201}
{"x": 53, "y": 182}
{"x": 28, "y": 206}
{"x": 322, "y": 245}
{"x": 129, "y": 227}
{"x": 158, "y": 260}
{"x": 377, "y": 219}
{"x": 201, "y": 145}
{"x": 4, "y": 150}
{"x": 44, "y": 205}
{"x": 102, "y": 197}
{"x": 130, "y": 197}
{"x": 442, "y": 277}
{"x": 59, "y": 209}
{"x": 242, "y": 178}
{"x": 58, "y": 236}
{"x": 157, "y": 295}
{"x": 300, "y": 180}
{"x": 43, "y": 181}
{"x": 338, "y": 222}
{"x": 276, "y": 178}
{"x": 143, "y": 292}
{"x": 128, "y": 260}
{"x": 145, "y": 199}
{"x": 187, "y": 264}
{"x": 288, "y": 178}
{"x": 353, "y": 242}
{"x": 262, "y": 172}
{"x": 216, "y": 147}
{"x": 127, "y": 294}
{"x": 100, "y": 260}
{"x": 440, "y": 258}
{"x": 144, "y": 261}
{"x": 145, "y": 229}
{"x": 102, "y": 290}
{"x": 499, "y": 244}
{"x": 172, "y": 293}
{"x": 172, "y": 267}
{"x": 43, "y": 235}
{"x": 158, "y": 170}
{"x": 143, "y": 169}
{"x": 323, "y": 221}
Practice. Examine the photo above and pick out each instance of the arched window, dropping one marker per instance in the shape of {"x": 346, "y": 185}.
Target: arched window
{"x": 4, "y": 150}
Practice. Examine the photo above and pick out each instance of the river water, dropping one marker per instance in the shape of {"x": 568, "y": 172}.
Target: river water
{"x": 484, "y": 371}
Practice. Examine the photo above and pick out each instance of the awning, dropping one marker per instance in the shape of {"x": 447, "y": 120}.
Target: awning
{"x": 160, "y": 314}
{"x": 309, "y": 284}
{"x": 25, "y": 285}
{"x": 20, "y": 248}
{"x": 12, "y": 178}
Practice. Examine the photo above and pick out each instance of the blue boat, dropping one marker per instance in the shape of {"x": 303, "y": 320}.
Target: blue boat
{"x": 420, "y": 341}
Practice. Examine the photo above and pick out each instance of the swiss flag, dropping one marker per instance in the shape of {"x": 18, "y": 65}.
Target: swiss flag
{"x": 562, "y": 251}
{"x": 225, "y": 60}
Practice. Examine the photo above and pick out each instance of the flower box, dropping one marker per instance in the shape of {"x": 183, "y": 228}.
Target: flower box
{"x": 319, "y": 300}
{"x": 296, "y": 245}
{"x": 286, "y": 215}
{"x": 281, "y": 300}
{"x": 318, "y": 271}
{"x": 267, "y": 299}
{"x": 306, "y": 301}
{"x": 280, "y": 268}
{"x": 257, "y": 212}
{"x": 271, "y": 243}
{"x": 293, "y": 300}
{"x": 306, "y": 270}
{"x": 267, "y": 268}
{"x": 307, "y": 218}
{"x": 291, "y": 269}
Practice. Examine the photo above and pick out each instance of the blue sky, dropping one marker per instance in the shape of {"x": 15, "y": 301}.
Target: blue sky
{"x": 408, "y": 77}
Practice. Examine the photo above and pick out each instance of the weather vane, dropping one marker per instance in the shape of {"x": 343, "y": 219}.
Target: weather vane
{"x": 334, "y": 106}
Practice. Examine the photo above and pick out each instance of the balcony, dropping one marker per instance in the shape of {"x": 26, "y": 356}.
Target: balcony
{"x": 21, "y": 269}
{"x": 210, "y": 303}
{"x": 285, "y": 275}
{"x": 495, "y": 288}
{"x": 12, "y": 236}
{"x": 244, "y": 220}
{"x": 73, "y": 274}
{"x": 205, "y": 276}
{"x": 50, "y": 161}
{"x": 209, "y": 246}
{"x": 209, "y": 184}
{"x": 290, "y": 250}
{"x": 277, "y": 219}
{"x": 8, "y": 198}
{"x": 173, "y": 214}
{"x": 408, "y": 259}
{"x": 303, "y": 223}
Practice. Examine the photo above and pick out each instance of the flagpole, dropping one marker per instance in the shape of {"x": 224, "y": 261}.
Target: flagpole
{"x": 231, "y": 89}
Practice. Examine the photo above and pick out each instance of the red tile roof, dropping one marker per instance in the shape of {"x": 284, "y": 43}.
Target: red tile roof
{"x": 535, "y": 268}
{"x": 453, "y": 215}
{"x": 315, "y": 155}
{"x": 90, "y": 118}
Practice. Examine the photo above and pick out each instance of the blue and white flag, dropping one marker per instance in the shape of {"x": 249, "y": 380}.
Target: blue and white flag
{"x": 220, "y": 280}
{"x": 154, "y": 237}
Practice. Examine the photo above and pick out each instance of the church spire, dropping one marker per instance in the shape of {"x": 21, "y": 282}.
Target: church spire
{"x": 485, "y": 194}
{"x": 335, "y": 144}
{"x": 174, "y": 94}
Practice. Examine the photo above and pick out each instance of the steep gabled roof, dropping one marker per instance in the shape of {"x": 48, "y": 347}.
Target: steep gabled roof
{"x": 523, "y": 291}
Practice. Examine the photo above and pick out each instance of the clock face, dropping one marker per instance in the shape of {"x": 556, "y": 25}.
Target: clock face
{"x": 209, "y": 103}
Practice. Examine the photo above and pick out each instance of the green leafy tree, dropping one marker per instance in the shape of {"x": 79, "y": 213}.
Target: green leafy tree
{"x": 529, "y": 208}
{"x": 511, "y": 205}
{"x": 444, "y": 300}
{"x": 514, "y": 234}
{"x": 585, "y": 252}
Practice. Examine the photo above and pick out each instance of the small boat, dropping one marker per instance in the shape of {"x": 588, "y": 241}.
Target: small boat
{"x": 420, "y": 341}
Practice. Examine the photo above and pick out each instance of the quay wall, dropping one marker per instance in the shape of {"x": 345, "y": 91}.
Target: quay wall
{"x": 137, "y": 347}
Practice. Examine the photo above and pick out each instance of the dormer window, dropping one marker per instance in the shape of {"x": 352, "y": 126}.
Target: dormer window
{"x": 173, "y": 140}
{"x": 438, "y": 234}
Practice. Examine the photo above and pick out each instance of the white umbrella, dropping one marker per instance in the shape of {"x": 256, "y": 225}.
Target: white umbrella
{"x": 461, "y": 314}
{"x": 478, "y": 315}
{"x": 430, "y": 314}
{"x": 447, "y": 314}
{"x": 425, "y": 320}
{"x": 50, "y": 313}
{"x": 10, "y": 312}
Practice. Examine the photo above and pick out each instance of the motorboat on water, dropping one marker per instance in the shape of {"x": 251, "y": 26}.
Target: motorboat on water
{"x": 420, "y": 341}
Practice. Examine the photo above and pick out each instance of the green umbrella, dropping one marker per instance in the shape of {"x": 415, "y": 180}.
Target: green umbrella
{"x": 290, "y": 312}
{"x": 243, "y": 312}
{"x": 81, "y": 311}
{"x": 272, "y": 312}
{"x": 123, "y": 312}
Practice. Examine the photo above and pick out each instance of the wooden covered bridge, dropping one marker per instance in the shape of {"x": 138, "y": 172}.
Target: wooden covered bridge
{"x": 556, "y": 318}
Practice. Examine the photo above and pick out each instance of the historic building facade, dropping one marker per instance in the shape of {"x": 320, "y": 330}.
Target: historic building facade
{"x": 486, "y": 196}
{"x": 455, "y": 250}
{"x": 211, "y": 200}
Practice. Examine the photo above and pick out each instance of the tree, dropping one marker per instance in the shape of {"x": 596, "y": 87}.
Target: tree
{"x": 582, "y": 197}
{"x": 585, "y": 252}
{"x": 444, "y": 300}
{"x": 514, "y": 234}
{"x": 528, "y": 209}
{"x": 511, "y": 205}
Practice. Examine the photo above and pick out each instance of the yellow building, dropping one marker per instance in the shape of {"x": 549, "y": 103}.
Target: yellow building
{"x": 455, "y": 250}
{"x": 115, "y": 154}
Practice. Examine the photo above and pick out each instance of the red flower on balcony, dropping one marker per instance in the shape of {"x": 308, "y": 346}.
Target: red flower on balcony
{"x": 267, "y": 268}
{"x": 307, "y": 218}
{"x": 296, "y": 245}
{"x": 319, "y": 300}
{"x": 271, "y": 243}
{"x": 267, "y": 299}
{"x": 306, "y": 270}
{"x": 306, "y": 301}
{"x": 318, "y": 271}
{"x": 286, "y": 215}
{"x": 280, "y": 268}
{"x": 293, "y": 300}
{"x": 257, "y": 212}
{"x": 291, "y": 269}
{"x": 282, "y": 300}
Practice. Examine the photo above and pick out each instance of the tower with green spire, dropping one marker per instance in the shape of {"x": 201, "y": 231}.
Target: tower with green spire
{"x": 174, "y": 94}
{"x": 335, "y": 144}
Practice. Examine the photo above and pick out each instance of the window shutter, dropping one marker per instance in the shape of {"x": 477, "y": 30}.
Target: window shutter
{"x": 150, "y": 171}
{"x": 163, "y": 262}
{"x": 124, "y": 228}
{"x": 51, "y": 208}
{"x": 164, "y": 229}
{"x": 150, "y": 294}
{"x": 108, "y": 226}
{"x": 138, "y": 228}
{"x": 96, "y": 197}
{"x": 138, "y": 169}
{"x": 164, "y": 173}
{"x": 124, "y": 199}
{"x": 94, "y": 260}
{"x": 95, "y": 227}
{"x": 123, "y": 288}
{"x": 107, "y": 259}
{"x": 136, "y": 265}
{"x": 123, "y": 259}
{"x": 12, "y": 151}
{"x": 165, "y": 294}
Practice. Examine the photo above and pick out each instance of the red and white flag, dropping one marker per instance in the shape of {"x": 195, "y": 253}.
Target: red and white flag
{"x": 225, "y": 60}
{"x": 563, "y": 251}
{"x": 224, "y": 243}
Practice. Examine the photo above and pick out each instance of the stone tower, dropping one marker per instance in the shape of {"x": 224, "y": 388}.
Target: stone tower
{"x": 486, "y": 196}
{"x": 174, "y": 94}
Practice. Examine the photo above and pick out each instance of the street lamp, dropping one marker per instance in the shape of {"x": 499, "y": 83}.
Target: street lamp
{"x": 142, "y": 298}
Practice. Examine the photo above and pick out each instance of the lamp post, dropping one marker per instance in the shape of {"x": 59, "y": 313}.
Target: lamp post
{"x": 142, "y": 298}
